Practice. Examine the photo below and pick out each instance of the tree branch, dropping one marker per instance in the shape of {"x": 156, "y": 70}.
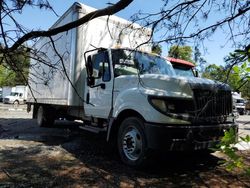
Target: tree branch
{"x": 98, "y": 13}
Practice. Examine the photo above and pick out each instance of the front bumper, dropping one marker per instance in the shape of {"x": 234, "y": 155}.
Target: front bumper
{"x": 7, "y": 101}
{"x": 185, "y": 137}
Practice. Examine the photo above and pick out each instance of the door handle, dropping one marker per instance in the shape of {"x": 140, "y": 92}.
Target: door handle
{"x": 102, "y": 85}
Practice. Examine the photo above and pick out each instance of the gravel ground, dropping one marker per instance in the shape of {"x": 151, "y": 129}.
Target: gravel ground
{"x": 65, "y": 156}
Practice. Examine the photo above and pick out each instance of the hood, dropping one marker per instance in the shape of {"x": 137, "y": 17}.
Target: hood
{"x": 193, "y": 82}
{"x": 205, "y": 84}
{"x": 164, "y": 85}
{"x": 10, "y": 97}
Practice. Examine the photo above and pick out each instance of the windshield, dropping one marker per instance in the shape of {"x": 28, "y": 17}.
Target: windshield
{"x": 240, "y": 101}
{"x": 183, "y": 71}
{"x": 127, "y": 62}
{"x": 13, "y": 94}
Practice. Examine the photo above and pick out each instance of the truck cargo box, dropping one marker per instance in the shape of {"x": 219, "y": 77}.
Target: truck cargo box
{"x": 48, "y": 80}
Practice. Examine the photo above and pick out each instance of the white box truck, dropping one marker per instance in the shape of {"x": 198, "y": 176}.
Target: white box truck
{"x": 134, "y": 96}
{"x": 238, "y": 103}
{"x": 18, "y": 95}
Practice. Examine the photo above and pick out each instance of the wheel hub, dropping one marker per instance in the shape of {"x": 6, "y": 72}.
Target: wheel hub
{"x": 132, "y": 144}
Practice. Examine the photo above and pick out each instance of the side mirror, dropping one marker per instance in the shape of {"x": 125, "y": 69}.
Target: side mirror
{"x": 89, "y": 66}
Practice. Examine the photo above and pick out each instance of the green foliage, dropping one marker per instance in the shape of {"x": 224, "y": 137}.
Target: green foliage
{"x": 181, "y": 52}
{"x": 6, "y": 76}
{"x": 240, "y": 60}
{"x": 245, "y": 139}
{"x": 236, "y": 73}
{"x": 156, "y": 48}
{"x": 227, "y": 146}
{"x": 14, "y": 68}
{"x": 245, "y": 90}
{"x": 199, "y": 60}
{"x": 215, "y": 72}
{"x": 229, "y": 137}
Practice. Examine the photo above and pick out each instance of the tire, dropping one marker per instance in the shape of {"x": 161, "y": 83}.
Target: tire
{"x": 241, "y": 113}
{"x": 70, "y": 118}
{"x": 131, "y": 142}
{"x": 45, "y": 117}
{"x": 16, "y": 103}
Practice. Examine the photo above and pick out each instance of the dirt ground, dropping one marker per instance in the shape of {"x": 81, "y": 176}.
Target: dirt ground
{"x": 65, "y": 156}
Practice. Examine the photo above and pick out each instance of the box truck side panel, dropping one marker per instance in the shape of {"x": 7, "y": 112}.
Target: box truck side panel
{"x": 112, "y": 31}
{"x": 48, "y": 80}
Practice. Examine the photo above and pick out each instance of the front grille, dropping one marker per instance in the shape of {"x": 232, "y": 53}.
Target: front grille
{"x": 6, "y": 100}
{"x": 212, "y": 105}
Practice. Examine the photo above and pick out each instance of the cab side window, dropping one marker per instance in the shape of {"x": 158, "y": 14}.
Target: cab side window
{"x": 101, "y": 66}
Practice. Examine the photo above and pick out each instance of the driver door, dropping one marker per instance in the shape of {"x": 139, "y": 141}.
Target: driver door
{"x": 99, "y": 95}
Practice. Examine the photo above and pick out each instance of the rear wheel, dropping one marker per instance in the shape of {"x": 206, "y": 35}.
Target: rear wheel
{"x": 45, "y": 116}
{"x": 132, "y": 144}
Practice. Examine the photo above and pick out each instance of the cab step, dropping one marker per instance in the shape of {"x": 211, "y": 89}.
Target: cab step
{"x": 93, "y": 129}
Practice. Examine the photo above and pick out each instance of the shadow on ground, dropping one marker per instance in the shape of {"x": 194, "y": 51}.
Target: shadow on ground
{"x": 65, "y": 156}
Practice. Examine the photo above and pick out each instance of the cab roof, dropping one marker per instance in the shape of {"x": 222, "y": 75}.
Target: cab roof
{"x": 180, "y": 61}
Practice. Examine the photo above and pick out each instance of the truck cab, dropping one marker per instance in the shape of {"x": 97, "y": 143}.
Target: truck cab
{"x": 148, "y": 106}
{"x": 14, "y": 98}
{"x": 142, "y": 105}
{"x": 18, "y": 95}
{"x": 238, "y": 103}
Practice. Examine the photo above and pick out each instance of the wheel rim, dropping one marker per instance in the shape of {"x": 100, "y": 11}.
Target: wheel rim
{"x": 132, "y": 143}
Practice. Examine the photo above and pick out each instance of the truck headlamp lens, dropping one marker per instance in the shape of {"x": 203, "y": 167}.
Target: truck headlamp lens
{"x": 159, "y": 104}
{"x": 172, "y": 105}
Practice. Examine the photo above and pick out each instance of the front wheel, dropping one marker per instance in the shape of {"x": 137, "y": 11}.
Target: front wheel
{"x": 16, "y": 103}
{"x": 132, "y": 145}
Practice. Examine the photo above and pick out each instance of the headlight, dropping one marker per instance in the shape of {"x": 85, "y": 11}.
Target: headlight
{"x": 172, "y": 104}
{"x": 159, "y": 104}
